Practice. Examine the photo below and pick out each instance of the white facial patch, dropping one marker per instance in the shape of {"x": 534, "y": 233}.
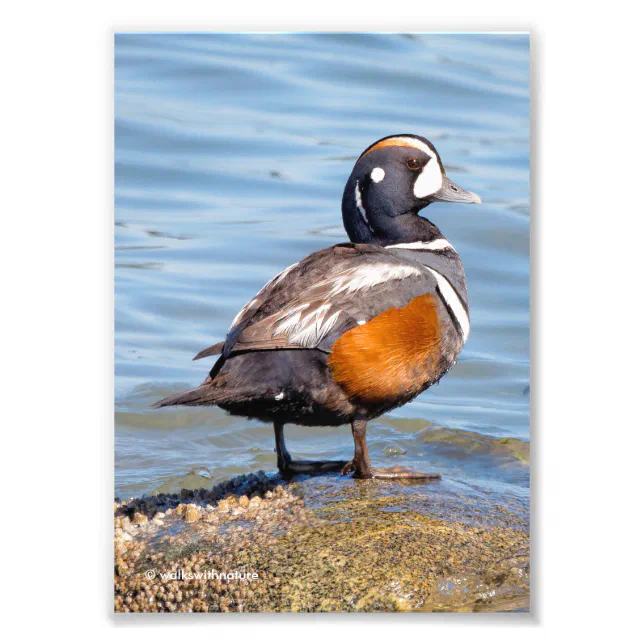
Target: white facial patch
{"x": 430, "y": 179}
{"x": 377, "y": 175}
{"x": 453, "y": 301}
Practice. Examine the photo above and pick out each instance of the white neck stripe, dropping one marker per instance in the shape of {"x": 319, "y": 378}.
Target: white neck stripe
{"x": 436, "y": 244}
{"x": 453, "y": 302}
{"x": 363, "y": 212}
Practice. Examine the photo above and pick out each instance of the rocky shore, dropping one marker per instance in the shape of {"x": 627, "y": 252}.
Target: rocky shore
{"x": 330, "y": 543}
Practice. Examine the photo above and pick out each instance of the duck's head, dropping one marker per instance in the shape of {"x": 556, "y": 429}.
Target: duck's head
{"x": 393, "y": 179}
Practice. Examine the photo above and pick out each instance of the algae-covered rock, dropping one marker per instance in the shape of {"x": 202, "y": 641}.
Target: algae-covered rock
{"x": 323, "y": 544}
{"x": 464, "y": 443}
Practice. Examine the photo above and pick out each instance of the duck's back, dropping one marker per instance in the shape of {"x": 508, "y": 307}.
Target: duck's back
{"x": 351, "y": 329}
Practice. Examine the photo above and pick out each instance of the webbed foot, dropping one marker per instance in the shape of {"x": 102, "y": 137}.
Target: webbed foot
{"x": 396, "y": 473}
{"x": 292, "y": 468}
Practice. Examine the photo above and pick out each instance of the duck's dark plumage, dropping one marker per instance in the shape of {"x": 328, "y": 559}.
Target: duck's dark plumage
{"x": 353, "y": 330}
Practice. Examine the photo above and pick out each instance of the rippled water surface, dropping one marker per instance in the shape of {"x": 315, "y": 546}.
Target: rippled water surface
{"x": 232, "y": 152}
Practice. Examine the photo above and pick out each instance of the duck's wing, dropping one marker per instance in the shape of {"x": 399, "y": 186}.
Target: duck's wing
{"x": 312, "y": 303}
{"x": 271, "y": 295}
{"x": 271, "y": 298}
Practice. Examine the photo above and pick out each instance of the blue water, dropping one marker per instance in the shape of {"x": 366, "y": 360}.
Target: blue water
{"x": 231, "y": 156}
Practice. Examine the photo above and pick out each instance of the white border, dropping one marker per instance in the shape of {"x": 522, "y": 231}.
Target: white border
{"x": 57, "y": 268}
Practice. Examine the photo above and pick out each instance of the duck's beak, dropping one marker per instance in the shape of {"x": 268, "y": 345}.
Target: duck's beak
{"x": 449, "y": 191}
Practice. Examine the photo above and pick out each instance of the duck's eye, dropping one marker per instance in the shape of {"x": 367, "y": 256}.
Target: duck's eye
{"x": 413, "y": 164}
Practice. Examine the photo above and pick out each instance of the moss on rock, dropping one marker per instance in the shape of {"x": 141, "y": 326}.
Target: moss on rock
{"x": 322, "y": 544}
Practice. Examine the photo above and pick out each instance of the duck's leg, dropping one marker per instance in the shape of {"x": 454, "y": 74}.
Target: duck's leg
{"x": 288, "y": 467}
{"x": 361, "y": 462}
{"x": 283, "y": 457}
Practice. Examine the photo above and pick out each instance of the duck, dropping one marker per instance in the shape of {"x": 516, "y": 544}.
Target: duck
{"x": 357, "y": 329}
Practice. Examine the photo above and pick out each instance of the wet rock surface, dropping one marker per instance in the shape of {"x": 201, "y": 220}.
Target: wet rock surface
{"x": 258, "y": 543}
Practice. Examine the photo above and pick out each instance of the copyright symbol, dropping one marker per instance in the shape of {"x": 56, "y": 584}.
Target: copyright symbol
{"x": 150, "y": 574}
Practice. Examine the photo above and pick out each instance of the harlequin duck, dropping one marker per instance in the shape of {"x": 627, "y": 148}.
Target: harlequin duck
{"x": 355, "y": 330}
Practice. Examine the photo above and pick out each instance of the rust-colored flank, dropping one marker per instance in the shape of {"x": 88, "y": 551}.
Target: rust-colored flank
{"x": 393, "y": 355}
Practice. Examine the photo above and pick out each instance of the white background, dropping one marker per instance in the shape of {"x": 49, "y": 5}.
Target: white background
{"x": 56, "y": 235}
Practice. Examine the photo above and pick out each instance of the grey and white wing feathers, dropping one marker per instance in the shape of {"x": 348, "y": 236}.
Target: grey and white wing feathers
{"x": 331, "y": 292}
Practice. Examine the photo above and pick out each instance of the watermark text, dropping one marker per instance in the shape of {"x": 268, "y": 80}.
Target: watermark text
{"x": 212, "y": 574}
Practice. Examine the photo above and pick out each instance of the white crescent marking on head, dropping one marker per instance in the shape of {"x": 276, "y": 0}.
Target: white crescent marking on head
{"x": 413, "y": 143}
{"x": 430, "y": 179}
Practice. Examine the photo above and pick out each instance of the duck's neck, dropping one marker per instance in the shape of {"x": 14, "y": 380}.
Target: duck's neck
{"x": 407, "y": 228}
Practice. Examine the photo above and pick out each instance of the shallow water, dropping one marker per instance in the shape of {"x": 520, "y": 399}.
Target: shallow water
{"x": 230, "y": 161}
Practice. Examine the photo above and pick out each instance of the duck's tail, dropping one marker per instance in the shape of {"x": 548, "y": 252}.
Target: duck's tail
{"x": 205, "y": 394}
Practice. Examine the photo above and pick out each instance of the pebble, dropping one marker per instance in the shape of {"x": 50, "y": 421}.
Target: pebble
{"x": 191, "y": 513}
{"x": 394, "y": 450}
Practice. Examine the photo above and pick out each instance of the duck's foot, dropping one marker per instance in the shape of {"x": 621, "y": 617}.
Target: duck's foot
{"x": 292, "y": 468}
{"x": 395, "y": 473}
{"x": 348, "y": 467}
